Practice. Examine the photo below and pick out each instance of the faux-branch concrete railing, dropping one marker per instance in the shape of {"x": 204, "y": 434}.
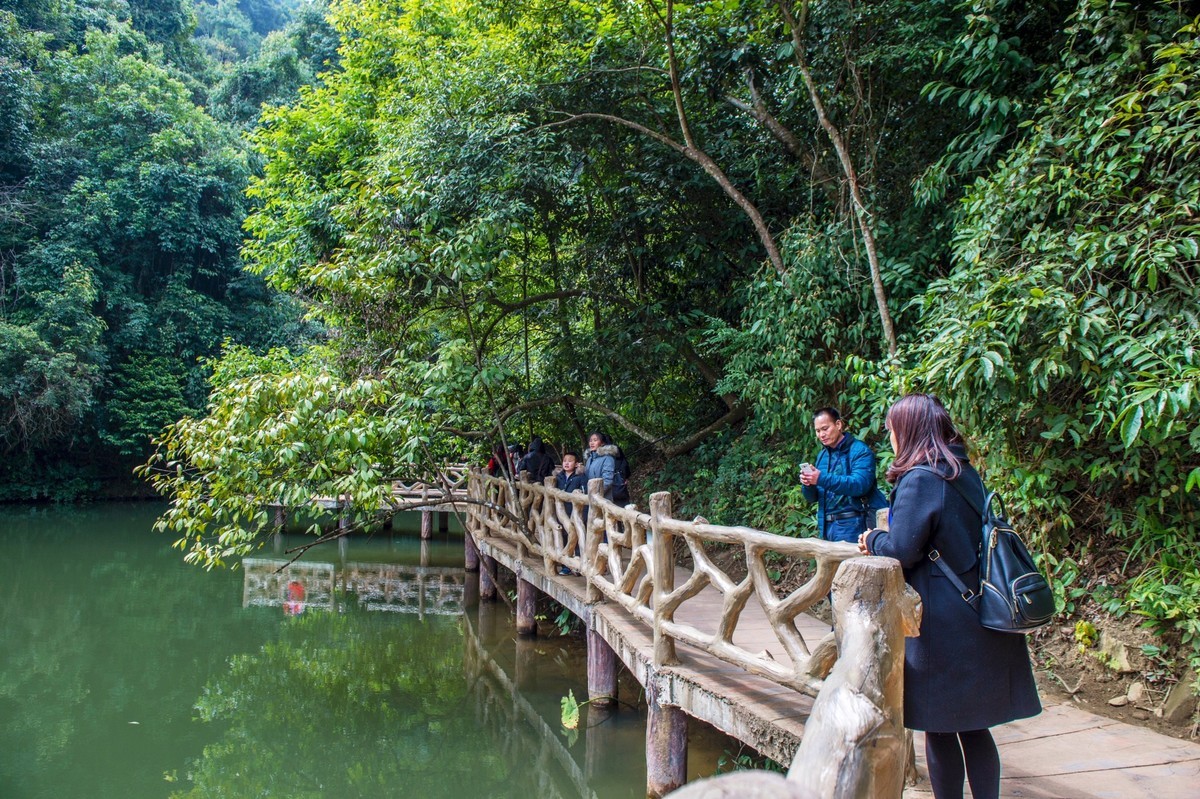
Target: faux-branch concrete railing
{"x": 621, "y": 547}
{"x": 854, "y": 739}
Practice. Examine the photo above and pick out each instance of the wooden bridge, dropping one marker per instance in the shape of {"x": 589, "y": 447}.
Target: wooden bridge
{"x": 752, "y": 663}
{"x": 729, "y": 652}
{"x": 444, "y": 494}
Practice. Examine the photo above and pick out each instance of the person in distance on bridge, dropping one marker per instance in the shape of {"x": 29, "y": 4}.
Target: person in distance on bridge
{"x": 842, "y": 482}
{"x": 601, "y": 461}
{"x": 536, "y": 462}
{"x": 960, "y": 678}
{"x": 571, "y": 477}
{"x": 499, "y": 464}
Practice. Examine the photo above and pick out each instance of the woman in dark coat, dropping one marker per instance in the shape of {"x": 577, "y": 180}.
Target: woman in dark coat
{"x": 960, "y": 678}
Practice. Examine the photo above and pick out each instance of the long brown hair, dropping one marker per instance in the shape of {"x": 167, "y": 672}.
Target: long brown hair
{"x": 924, "y": 434}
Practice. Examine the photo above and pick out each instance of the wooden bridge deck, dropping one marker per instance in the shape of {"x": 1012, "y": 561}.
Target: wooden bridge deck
{"x": 1065, "y": 753}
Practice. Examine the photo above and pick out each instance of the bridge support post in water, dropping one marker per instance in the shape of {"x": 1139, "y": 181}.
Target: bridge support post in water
{"x": 526, "y": 608}
{"x": 601, "y": 671}
{"x": 280, "y": 518}
{"x": 487, "y": 579}
{"x": 470, "y": 552}
{"x": 426, "y": 525}
{"x": 471, "y": 589}
{"x": 666, "y": 744}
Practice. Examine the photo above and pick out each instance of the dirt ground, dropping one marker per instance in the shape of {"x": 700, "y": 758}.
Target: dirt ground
{"x": 1070, "y": 667}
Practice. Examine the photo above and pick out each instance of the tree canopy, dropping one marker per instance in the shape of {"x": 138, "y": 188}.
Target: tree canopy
{"x": 690, "y": 223}
{"x": 121, "y": 205}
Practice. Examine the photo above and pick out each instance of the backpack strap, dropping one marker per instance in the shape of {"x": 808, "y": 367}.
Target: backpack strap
{"x": 969, "y": 596}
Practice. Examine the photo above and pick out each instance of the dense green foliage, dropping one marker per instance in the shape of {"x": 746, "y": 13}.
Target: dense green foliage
{"x": 683, "y": 222}
{"x": 121, "y": 204}
{"x": 1070, "y": 320}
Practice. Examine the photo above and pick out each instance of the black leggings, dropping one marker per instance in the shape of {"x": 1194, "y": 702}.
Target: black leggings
{"x": 945, "y": 753}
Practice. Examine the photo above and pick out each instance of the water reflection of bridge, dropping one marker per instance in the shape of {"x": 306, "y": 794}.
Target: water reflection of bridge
{"x": 392, "y": 587}
{"x": 524, "y": 733}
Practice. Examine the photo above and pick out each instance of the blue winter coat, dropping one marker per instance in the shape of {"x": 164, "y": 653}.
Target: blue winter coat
{"x": 847, "y": 473}
{"x": 958, "y": 675}
{"x": 602, "y": 463}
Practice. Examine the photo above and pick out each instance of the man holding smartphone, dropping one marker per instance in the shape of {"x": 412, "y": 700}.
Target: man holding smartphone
{"x": 842, "y": 481}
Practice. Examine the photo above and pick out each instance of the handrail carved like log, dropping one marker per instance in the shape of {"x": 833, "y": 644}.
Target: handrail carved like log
{"x": 451, "y": 483}
{"x": 627, "y": 558}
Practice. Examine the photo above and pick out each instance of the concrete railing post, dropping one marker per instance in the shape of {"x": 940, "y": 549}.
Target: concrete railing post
{"x": 593, "y": 536}
{"x": 854, "y": 743}
{"x": 663, "y": 546}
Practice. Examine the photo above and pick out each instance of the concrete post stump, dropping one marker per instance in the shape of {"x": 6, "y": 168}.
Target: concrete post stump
{"x": 470, "y": 553}
{"x": 526, "y": 608}
{"x": 601, "y": 671}
{"x": 487, "y": 581}
{"x": 666, "y": 745}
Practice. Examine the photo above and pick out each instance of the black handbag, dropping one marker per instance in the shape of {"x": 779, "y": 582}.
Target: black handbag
{"x": 1013, "y": 596}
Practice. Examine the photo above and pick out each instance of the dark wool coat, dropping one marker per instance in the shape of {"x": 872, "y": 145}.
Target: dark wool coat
{"x": 958, "y": 675}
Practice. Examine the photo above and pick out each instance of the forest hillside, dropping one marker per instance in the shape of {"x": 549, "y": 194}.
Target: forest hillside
{"x": 688, "y": 223}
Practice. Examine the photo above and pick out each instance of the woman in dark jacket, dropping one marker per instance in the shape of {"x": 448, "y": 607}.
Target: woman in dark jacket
{"x": 960, "y": 678}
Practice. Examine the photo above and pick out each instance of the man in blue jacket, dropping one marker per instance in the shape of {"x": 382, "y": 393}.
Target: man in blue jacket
{"x": 842, "y": 482}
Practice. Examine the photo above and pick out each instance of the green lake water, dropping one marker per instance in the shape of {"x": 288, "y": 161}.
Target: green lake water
{"x": 126, "y": 673}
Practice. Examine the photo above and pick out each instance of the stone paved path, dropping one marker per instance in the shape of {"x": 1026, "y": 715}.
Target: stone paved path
{"x": 1068, "y": 753}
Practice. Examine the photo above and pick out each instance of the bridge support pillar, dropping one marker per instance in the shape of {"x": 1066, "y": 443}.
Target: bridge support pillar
{"x": 426, "y": 524}
{"x": 666, "y": 745}
{"x": 470, "y": 552}
{"x": 471, "y": 589}
{"x": 487, "y": 581}
{"x": 601, "y": 671}
{"x": 280, "y": 518}
{"x": 526, "y": 608}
